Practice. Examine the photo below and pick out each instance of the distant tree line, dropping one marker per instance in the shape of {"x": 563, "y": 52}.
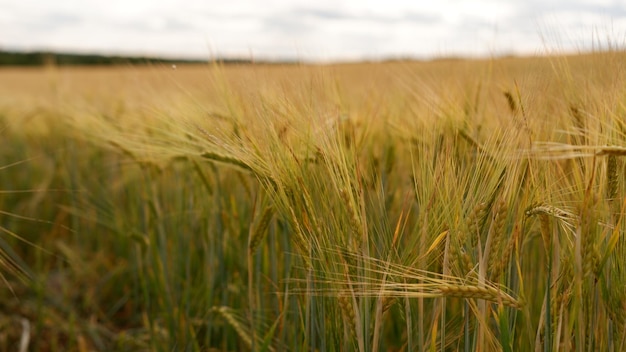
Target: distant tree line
{"x": 41, "y": 58}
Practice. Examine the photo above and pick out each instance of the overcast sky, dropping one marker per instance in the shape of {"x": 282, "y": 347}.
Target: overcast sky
{"x": 311, "y": 30}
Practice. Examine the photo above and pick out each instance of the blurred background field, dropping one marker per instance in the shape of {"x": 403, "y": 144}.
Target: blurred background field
{"x": 394, "y": 206}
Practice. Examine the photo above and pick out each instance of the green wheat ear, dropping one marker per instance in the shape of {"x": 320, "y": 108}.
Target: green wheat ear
{"x": 241, "y": 330}
{"x": 611, "y": 178}
{"x": 260, "y": 229}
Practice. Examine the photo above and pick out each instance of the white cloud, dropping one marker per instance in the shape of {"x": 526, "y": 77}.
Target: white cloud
{"x": 326, "y": 29}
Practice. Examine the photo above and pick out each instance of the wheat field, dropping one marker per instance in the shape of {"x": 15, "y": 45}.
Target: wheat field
{"x": 451, "y": 205}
